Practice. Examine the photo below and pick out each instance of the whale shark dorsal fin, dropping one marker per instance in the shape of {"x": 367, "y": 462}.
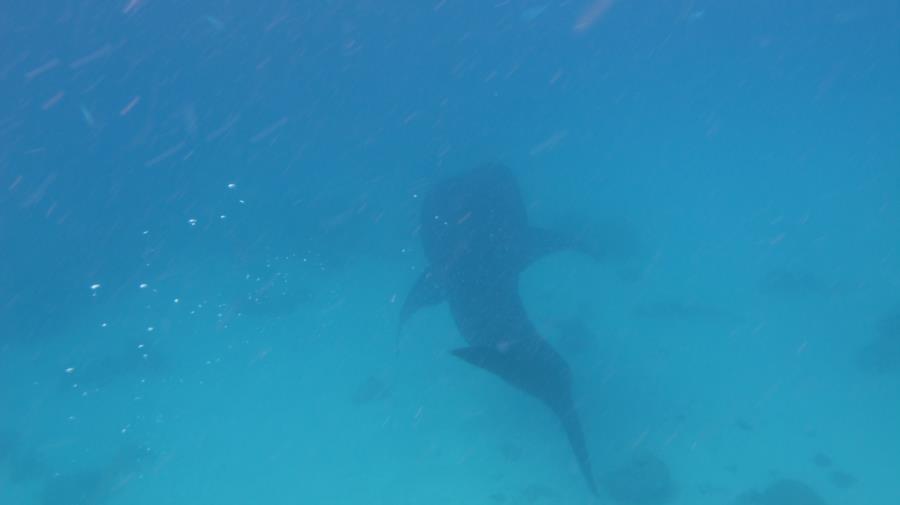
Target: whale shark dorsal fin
{"x": 428, "y": 290}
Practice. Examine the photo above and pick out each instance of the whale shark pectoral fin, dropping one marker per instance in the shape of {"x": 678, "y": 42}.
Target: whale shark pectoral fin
{"x": 599, "y": 241}
{"x": 543, "y": 242}
{"x": 428, "y": 290}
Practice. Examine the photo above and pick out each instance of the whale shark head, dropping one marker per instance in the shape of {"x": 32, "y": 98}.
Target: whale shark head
{"x": 477, "y": 216}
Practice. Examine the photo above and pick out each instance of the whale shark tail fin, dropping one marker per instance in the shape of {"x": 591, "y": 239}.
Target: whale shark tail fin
{"x": 572, "y": 426}
{"x": 539, "y": 371}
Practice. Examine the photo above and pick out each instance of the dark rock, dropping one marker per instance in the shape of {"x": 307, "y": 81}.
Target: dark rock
{"x": 782, "y": 492}
{"x": 498, "y": 498}
{"x": 642, "y": 480}
{"x": 842, "y": 480}
{"x": 821, "y": 460}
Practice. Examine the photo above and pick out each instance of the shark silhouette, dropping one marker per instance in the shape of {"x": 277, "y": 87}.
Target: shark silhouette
{"x": 477, "y": 240}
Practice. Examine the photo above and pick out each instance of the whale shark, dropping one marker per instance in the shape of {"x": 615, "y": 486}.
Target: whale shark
{"x": 477, "y": 240}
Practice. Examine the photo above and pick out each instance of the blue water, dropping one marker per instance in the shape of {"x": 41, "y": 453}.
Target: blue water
{"x": 209, "y": 216}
